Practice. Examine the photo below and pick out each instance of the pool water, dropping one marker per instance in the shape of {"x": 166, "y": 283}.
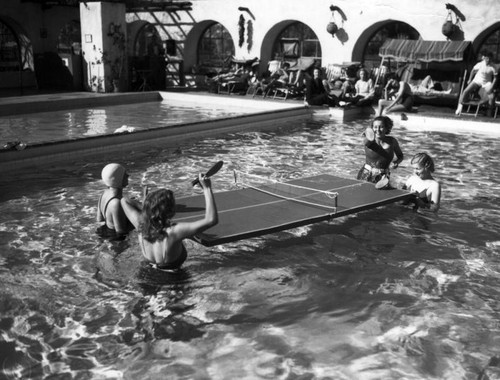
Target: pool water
{"x": 52, "y": 126}
{"x": 387, "y": 293}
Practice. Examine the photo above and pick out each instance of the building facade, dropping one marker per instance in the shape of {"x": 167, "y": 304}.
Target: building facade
{"x": 189, "y": 37}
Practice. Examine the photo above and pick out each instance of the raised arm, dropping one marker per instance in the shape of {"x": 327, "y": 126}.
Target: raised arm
{"x": 185, "y": 230}
{"x": 132, "y": 209}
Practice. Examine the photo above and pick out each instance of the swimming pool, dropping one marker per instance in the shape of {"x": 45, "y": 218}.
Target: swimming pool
{"x": 384, "y": 294}
{"x": 60, "y": 135}
{"x": 104, "y": 118}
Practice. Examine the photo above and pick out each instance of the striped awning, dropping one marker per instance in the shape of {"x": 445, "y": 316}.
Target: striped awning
{"x": 425, "y": 51}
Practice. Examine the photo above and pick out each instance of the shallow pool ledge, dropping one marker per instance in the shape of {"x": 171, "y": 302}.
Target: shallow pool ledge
{"x": 65, "y": 152}
{"x": 236, "y": 101}
{"x": 452, "y": 124}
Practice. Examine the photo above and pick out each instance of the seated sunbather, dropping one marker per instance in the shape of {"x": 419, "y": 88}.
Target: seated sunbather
{"x": 428, "y": 86}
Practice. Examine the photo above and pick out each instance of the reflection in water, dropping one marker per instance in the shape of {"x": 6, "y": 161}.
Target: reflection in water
{"x": 384, "y": 294}
{"x": 73, "y": 124}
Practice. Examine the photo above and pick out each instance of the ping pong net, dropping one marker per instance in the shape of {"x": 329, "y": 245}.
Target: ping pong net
{"x": 324, "y": 199}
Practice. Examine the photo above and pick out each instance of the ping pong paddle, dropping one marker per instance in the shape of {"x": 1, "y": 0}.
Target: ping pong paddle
{"x": 383, "y": 183}
{"x": 213, "y": 170}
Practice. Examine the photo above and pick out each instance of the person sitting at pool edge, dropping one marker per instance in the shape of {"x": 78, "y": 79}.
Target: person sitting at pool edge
{"x": 425, "y": 187}
{"x": 398, "y": 96}
{"x": 160, "y": 238}
{"x": 379, "y": 151}
{"x": 109, "y": 209}
{"x": 316, "y": 94}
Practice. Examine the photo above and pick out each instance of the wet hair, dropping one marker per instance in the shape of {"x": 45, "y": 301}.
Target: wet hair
{"x": 424, "y": 160}
{"x": 386, "y": 122}
{"x": 157, "y": 211}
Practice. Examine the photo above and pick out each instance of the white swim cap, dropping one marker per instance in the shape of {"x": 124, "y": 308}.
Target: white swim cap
{"x": 112, "y": 175}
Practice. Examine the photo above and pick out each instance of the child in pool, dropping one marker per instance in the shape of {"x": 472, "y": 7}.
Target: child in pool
{"x": 160, "y": 238}
{"x": 427, "y": 189}
{"x": 109, "y": 209}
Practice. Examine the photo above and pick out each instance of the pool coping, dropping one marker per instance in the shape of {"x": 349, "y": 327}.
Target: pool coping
{"x": 453, "y": 124}
{"x": 170, "y": 136}
{"x": 56, "y": 102}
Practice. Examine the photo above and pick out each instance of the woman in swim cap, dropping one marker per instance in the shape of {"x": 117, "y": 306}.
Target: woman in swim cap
{"x": 109, "y": 209}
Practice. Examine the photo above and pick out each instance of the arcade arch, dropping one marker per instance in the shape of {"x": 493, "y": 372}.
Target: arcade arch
{"x": 367, "y": 47}
{"x": 489, "y": 39}
{"x": 290, "y": 40}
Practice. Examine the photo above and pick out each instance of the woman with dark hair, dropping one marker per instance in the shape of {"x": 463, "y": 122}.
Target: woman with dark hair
{"x": 379, "y": 151}
{"x": 316, "y": 94}
{"x": 398, "y": 96}
{"x": 159, "y": 237}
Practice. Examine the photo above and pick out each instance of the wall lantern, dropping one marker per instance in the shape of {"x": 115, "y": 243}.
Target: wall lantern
{"x": 332, "y": 26}
{"x": 450, "y": 28}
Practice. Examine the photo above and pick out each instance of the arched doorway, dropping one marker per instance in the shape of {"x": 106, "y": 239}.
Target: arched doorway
{"x": 295, "y": 41}
{"x": 366, "y": 49}
{"x": 146, "y": 57}
{"x": 69, "y": 48}
{"x": 17, "y": 69}
{"x": 215, "y": 47}
{"x": 489, "y": 40}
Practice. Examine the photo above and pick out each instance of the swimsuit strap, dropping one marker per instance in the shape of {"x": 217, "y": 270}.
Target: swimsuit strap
{"x": 106, "y": 205}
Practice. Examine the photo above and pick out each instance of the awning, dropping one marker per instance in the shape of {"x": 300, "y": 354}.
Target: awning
{"x": 425, "y": 51}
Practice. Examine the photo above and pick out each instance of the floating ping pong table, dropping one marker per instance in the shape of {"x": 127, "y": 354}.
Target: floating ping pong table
{"x": 255, "y": 211}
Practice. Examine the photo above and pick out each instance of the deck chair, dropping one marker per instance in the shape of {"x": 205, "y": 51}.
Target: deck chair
{"x": 274, "y": 89}
{"x": 334, "y": 72}
{"x": 478, "y": 99}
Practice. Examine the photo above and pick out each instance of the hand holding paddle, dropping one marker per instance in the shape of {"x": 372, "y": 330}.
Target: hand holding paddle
{"x": 213, "y": 170}
{"x": 369, "y": 134}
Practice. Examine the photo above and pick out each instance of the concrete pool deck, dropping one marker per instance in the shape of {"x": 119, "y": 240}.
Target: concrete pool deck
{"x": 267, "y": 113}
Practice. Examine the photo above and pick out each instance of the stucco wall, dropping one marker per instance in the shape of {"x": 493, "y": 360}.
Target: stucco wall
{"x": 426, "y": 16}
{"x": 268, "y": 18}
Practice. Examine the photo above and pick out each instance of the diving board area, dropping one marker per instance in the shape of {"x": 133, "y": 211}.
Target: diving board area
{"x": 263, "y": 209}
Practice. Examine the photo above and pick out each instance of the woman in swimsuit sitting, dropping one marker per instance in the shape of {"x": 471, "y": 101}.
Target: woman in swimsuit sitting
{"x": 426, "y": 188}
{"x": 398, "y": 96}
{"x": 379, "y": 151}
{"x": 109, "y": 209}
{"x": 160, "y": 238}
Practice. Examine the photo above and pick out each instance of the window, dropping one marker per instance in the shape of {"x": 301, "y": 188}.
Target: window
{"x": 9, "y": 49}
{"x": 295, "y": 41}
{"x": 69, "y": 39}
{"x": 216, "y": 46}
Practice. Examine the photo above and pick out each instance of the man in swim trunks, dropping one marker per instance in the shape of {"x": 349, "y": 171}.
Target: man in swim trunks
{"x": 483, "y": 76}
{"x": 109, "y": 209}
